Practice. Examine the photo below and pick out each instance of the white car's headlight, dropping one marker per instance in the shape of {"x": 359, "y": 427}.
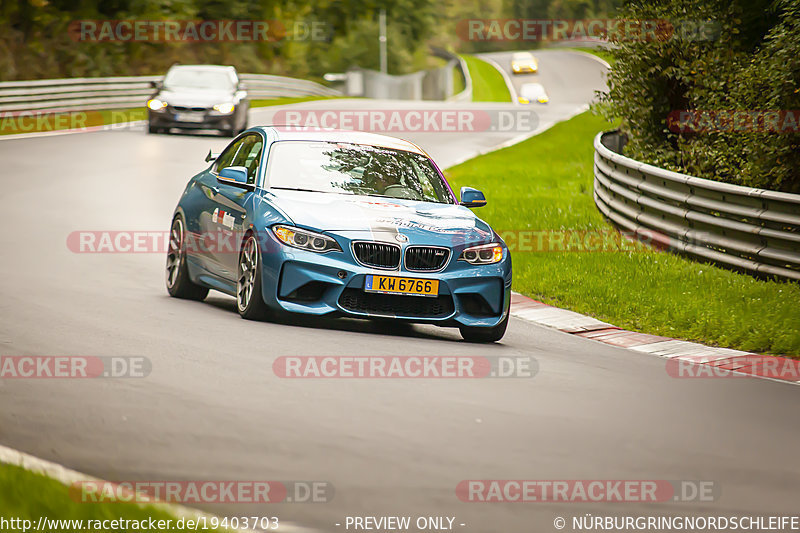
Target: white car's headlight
{"x": 225, "y": 108}
{"x": 305, "y": 240}
{"x": 156, "y": 105}
{"x": 485, "y": 254}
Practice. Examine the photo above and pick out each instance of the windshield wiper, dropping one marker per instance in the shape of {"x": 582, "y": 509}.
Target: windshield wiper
{"x": 294, "y": 189}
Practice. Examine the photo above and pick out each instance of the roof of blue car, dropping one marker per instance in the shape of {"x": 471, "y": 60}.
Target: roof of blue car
{"x": 301, "y": 133}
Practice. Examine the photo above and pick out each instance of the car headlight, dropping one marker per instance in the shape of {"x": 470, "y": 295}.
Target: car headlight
{"x": 485, "y": 254}
{"x": 225, "y": 108}
{"x": 305, "y": 240}
{"x": 156, "y": 105}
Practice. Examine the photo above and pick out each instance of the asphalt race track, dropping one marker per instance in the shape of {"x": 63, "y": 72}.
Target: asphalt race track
{"x": 212, "y": 407}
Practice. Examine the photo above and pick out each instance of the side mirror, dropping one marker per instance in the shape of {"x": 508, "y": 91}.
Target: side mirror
{"x": 236, "y": 176}
{"x": 211, "y": 156}
{"x": 155, "y": 84}
{"x": 472, "y": 197}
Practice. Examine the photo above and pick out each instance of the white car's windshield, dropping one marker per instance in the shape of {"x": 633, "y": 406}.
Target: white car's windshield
{"x": 355, "y": 169}
{"x": 532, "y": 91}
{"x": 189, "y": 78}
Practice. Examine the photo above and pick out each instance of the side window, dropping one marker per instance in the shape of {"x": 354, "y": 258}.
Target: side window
{"x": 249, "y": 156}
{"x": 225, "y": 159}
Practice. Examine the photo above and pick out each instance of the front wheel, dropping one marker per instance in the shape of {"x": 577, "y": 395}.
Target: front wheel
{"x": 249, "y": 301}
{"x": 178, "y": 283}
{"x": 478, "y": 334}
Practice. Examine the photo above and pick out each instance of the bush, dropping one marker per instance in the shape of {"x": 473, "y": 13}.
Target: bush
{"x": 752, "y": 62}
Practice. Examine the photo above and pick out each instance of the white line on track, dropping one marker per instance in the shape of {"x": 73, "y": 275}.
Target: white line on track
{"x": 506, "y": 79}
{"x": 106, "y": 127}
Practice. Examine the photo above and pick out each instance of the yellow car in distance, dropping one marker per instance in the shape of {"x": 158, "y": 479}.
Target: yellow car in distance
{"x": 524, "y": 62}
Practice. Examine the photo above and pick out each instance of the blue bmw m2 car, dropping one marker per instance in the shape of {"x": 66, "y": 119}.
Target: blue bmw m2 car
{"x": 338, "y": 223}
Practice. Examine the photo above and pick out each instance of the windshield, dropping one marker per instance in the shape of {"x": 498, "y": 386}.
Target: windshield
{"x": 522, "y": 56}
{"x": 355, "y": 169}
{"x": 532, "y": 90}
{"x": 187, "y": 78}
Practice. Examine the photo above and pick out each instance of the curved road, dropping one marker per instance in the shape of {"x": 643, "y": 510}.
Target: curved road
{"x": 213, "y": 409}
{"x": 568, "y": 77}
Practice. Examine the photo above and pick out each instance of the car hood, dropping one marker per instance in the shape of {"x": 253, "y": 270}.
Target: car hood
{"x": 195, "y": 98}
{"x": 383, "y": 219}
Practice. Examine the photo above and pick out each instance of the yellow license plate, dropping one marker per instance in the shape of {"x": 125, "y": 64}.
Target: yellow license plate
{"x": 396, "y": 285}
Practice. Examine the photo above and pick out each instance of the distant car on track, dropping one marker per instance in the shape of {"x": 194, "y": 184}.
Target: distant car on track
{"x": 199, "y": 97}
{"x": 338, "y": 223}
{"x": 524, "y": 62}
{"x": 533, "y": 92}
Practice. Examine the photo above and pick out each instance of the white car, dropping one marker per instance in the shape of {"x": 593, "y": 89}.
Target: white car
{"x": 533, "y": 92}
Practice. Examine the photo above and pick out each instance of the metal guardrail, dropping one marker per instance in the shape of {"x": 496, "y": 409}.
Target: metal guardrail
{"x": 466, "y": 94}
{"x": 129, "y": 91}
{"x": 756, "y": 230}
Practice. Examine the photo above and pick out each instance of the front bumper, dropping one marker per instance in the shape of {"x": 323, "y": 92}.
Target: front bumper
{"x": 333, "y": 284}
{"x": 170, "y": 118}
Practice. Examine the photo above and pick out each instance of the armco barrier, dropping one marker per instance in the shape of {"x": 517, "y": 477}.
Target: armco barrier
{"x": 129, "y": 91}
{"x": 755, "y": 230}
{"x": 461, "y": 66}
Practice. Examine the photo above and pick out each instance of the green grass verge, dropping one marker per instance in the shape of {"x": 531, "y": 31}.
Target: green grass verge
{"x": 545, "y": 183}
{"x": 28, "y": 496}
{"x": 44, "y": 121}
{"x": 487, "y": 83}
{"x": 290, "y": 100}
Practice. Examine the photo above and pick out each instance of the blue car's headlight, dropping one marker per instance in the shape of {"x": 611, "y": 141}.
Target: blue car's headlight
{"x": 305, "y": 240}
{"x": 485, "y": 254}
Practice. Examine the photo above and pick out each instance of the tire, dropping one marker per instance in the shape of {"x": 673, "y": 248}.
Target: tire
{"x": 485, "y": 335}
{"x": 249, "y": 301}
{"x": 179, "y": 285}
{"x": 152, "y": 129}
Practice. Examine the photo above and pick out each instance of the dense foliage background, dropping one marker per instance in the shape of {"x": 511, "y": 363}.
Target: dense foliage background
{"x": 35, "y": 43}
{"x": 753, "y": 63}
